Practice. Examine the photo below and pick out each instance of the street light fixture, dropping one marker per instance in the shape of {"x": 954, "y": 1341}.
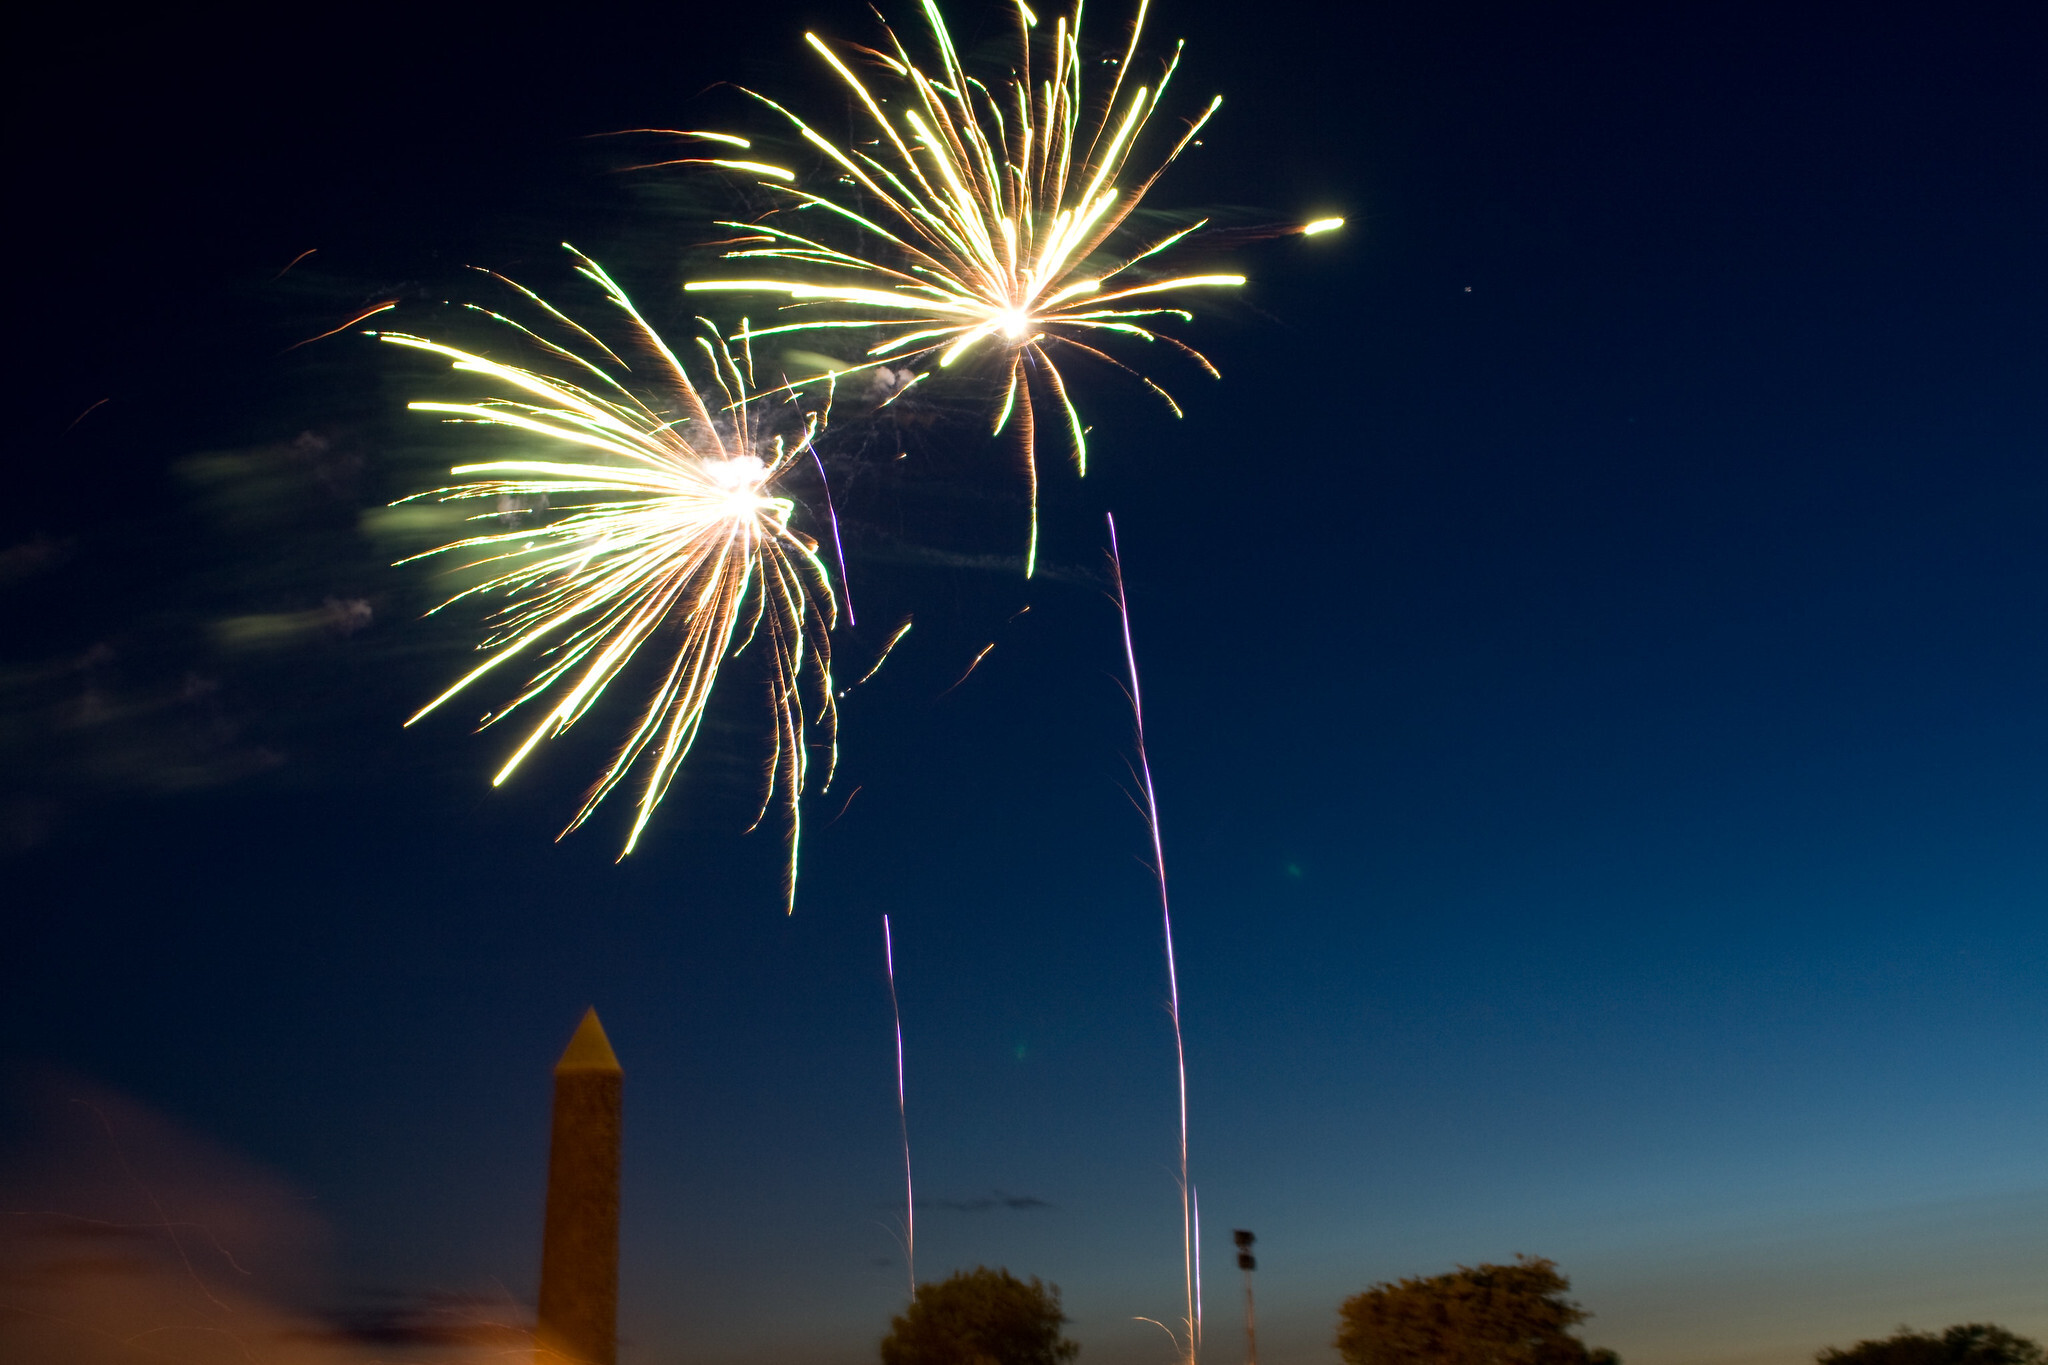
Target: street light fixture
{"x": 1247, "y": 1263}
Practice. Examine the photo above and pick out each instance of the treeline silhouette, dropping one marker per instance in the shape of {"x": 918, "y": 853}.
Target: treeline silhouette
{"x": 1474, "y": 1315}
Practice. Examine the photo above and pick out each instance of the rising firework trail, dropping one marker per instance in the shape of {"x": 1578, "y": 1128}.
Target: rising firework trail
{"x": 966, "y": 218}
{"x": 838, "y": 544}
{"x": 902, "y": 1116}
{"x": 663, "y": 533}
{"x": 1190, "y": 1225}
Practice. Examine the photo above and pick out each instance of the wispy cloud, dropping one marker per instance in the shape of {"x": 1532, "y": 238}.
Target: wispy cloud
{"x": 984, "y": 1203}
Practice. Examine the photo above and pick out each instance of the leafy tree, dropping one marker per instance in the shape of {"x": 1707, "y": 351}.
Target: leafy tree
{"x": 980, "y": 1317}
{"x": 1972, "y": 1343}
{"x": 1477, "y": 1315}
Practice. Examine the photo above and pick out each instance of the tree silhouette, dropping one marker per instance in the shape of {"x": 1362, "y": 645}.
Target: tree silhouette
{"x": 1972, "y": 1343}
{"x": 1476, "y": 1315}
{"x": 980, "y": 1317}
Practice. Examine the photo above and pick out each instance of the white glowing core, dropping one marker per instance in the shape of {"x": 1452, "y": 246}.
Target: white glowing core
{"x": 742, "y": 471}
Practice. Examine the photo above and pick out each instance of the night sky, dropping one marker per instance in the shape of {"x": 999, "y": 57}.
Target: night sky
{"x": 1595, "y": 641}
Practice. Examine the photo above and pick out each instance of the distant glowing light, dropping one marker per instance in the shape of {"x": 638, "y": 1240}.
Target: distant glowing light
{"x": 1321, "y": 225}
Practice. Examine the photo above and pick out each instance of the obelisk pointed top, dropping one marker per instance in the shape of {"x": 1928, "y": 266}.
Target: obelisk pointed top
{"x": 589, "y": 1050}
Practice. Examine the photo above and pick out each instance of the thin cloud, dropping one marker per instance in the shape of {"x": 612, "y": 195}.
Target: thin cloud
{"x": 984, "y": 1203}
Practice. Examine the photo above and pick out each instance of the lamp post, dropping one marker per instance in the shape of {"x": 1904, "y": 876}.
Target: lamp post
{"x": 1247, "y": 1263}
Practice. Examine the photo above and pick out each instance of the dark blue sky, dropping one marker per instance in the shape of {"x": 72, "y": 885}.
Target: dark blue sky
{"x": 1595, "y": 637}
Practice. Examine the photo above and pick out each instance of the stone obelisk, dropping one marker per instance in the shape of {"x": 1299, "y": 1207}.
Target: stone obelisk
{"x": 579, "y": 1258}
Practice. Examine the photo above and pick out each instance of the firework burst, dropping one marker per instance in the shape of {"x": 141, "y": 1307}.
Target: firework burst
{"x": 664, "y": 534}
{"x": 967, "y": 217}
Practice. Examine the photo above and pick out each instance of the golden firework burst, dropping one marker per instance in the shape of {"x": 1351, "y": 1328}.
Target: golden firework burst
{"x": 971, "y": 217}
{"x": 661, "y": 530}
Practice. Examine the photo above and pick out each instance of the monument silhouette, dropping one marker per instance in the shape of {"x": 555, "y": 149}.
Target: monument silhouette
{"x": 579, "y": 1257}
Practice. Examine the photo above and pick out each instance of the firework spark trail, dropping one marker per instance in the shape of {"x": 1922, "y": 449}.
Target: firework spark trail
{"x": 1189, "y": 1226}
{"x": 981, "y": 216}
{"x": 902, "y": 1116}
{"x": 838, "y": 545}
{"x": 972, "y": 664}
{"x": 343, "y": 327}
{"x": 1195, "y": 1194}
{"x": 668, "y": 525}
{"x": 888, "y": 648}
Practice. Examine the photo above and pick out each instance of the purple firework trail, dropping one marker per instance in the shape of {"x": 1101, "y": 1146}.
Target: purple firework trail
{"x": 902, "y": 1116}
{"x": 838, "y": 546}
{"x": 1189, "y": 1226}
